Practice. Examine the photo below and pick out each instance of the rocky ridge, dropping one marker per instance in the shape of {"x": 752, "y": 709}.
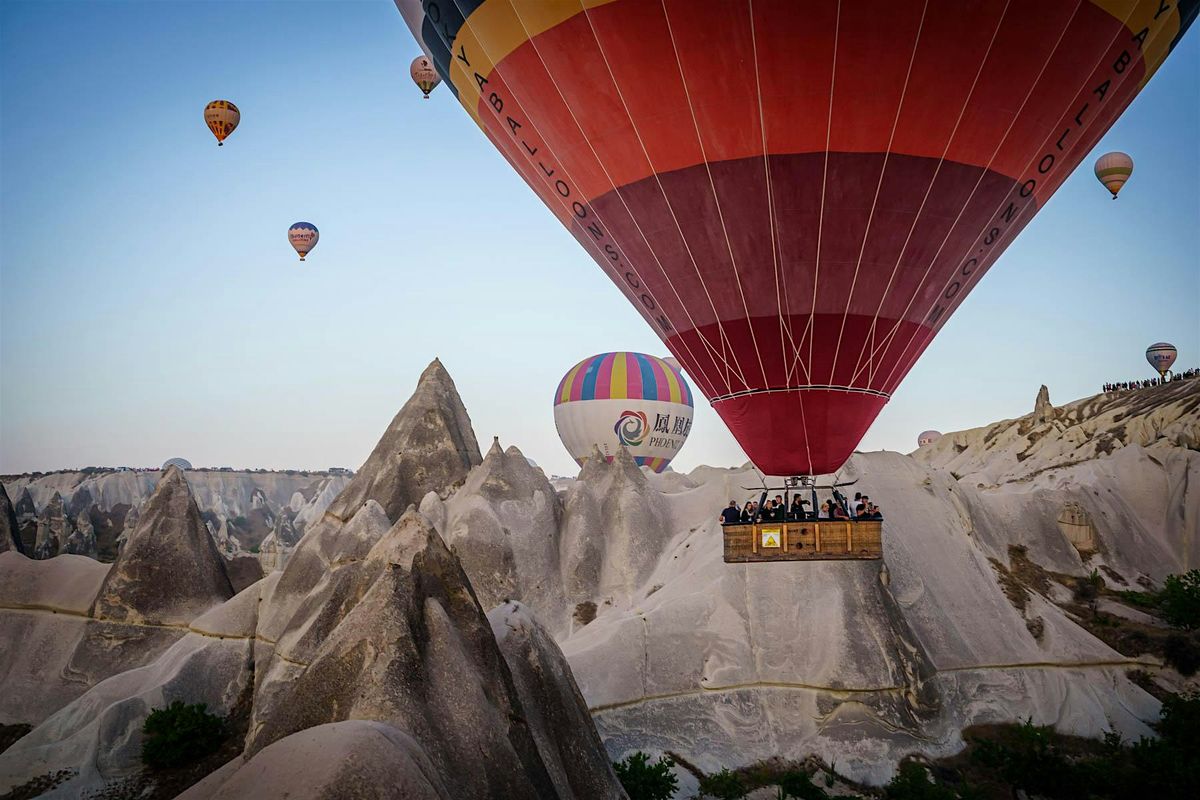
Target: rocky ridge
{"x": 861, "y": 663}
{"x": 96, "y": 505}
{"x": 370, "y": 637}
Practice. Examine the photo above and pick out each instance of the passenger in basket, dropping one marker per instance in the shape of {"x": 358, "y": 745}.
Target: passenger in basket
{"x": 731, "y": 515}
{"x": 771, "y": 513}
{"x": 839, "y": 512}
{"x": 874, "y": 512}
{"x": 747, "y": 513}
{"x": 798, "y": 505}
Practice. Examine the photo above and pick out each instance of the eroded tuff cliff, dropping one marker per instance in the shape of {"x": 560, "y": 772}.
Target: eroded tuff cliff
{"x": 371, "y": 636}
{"x": 676, "y": 650}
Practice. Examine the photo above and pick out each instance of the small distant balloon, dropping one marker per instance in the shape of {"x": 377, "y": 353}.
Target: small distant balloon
{"x": 424, "y": 75}
{"x": 221, "y": 117}
{"x": 303, "y": 236}
{"x": 928, "y": 437}
{"x": 1161, "y": 356}
{"x": 1113, "y": 169}
{"x": 182, "y": 463}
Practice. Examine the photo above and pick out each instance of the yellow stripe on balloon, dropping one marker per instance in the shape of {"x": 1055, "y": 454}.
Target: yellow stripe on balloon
{"x": 1162, "y": 30}
{"x": 619, "y": 385}
{"x": 672, "y": 382}
{"x": 568, "y": 382}
{"x": 497, "y": 28}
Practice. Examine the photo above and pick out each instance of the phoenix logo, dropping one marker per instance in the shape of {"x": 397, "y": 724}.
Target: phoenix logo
{"x": 631, "y": 428}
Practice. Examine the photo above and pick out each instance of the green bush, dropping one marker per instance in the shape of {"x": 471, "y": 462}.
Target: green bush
{"x": 1183, "y": 653}
{"x": 1148, "y": 600}
{"x": 799, "y": 785}
{"x": 913, "y": 783}
{"x": 180, "y": 734}
{"x": 1087, "y": 589}
{"x": 1180, "y": 600}
{"x": 723, "y": 785}
{"x": 645, "y": 781}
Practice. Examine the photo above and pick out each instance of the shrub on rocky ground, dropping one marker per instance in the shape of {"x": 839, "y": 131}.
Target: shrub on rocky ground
{"x": 1182, "y": 652}
{"x": 1180, "y": 600}
{"x": 723, "y": 785}
{"x": 180, "y": 734}
{"x": 645, "y": 781}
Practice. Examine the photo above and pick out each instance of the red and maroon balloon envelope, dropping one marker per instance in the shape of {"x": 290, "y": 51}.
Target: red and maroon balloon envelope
{"x": 796, "y": 195}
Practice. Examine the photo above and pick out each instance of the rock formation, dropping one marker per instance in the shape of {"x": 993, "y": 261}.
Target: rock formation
{"x": 10, "y": 530}
{"x": 226, "y": 542}
{"x": 53, "y": 529}
{"x": 1043, "y": 412}
{"x": 361, "y": 759}
{"x": 676, "y": 650}
{"x": 428, "y": 447}
{"x": 502, "y": 495}
{"x": 243, "y": 569}
{"x": 272, "y": 555}
{"x": 370, "y": 642}
{"x": 395, "y": 635}
{"x": 43, "y": 616}
{"x": 169, "y": 571}
{"x": 284, "y": 531}
{"x": 249, "y": 502}
{"x": 127, "y": 527}
{"x": 25, "y": 509}
{"x": 82, "y": 541}
{"x": 98, "y": 737}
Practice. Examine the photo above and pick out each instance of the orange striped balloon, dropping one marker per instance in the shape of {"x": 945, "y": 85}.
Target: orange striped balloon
{"x": 221, "y": 117}
{"x": 1113, "y": 169}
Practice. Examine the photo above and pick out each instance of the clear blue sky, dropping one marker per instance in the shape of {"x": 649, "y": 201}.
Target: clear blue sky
{"x": 151, "y": 306}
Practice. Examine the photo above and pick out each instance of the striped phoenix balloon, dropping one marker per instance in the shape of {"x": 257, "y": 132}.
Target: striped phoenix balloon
{"x": 630, "y": 399}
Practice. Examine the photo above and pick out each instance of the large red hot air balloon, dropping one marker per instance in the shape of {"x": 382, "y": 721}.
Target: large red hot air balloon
{"x": 796, "y": 196}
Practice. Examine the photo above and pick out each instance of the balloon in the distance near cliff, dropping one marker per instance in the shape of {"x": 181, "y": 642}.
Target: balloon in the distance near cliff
{"x": 798, "y": 196}
{"x": 424, "y": 75}
{"x": 630, "y": 399}
{"x": 928, "y": 437}
{"x": 1161, "y": 356}
{"x": 303, "y": 236}
{"x": 1113, "y": 169}
{"x": 221, "y": 117}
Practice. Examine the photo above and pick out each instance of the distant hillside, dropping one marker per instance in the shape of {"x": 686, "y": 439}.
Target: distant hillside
{"x": 1157, "y": 418}
{"x": 241, "y": 508}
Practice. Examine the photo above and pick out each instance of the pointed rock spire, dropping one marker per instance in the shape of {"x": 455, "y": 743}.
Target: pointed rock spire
{"x": 10, "y": 533}
{"x": 82, "y": 541}
{"x": 1043, "y": 411}
{"x": 53, "y": 528}
{"x": 398, "y": 637}
{"x": 169, "y": 571}
{"x": 430, "y": 446}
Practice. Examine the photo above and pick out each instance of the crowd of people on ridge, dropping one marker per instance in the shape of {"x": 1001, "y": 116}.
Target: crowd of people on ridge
{"x": 1122, "y": 386}
{"x": 837, "y": 507}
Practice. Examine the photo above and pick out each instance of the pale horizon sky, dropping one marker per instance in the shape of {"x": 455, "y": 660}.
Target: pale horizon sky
{"x": 151, "y": 307}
